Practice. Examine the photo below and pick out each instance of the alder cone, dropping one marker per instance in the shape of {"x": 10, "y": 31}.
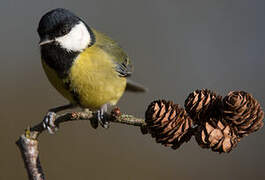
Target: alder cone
{"x": 217, "y": 135}
{"x": 168, "y": 123}
{"x": 243, "y": 111}
{"x": 202, "y": 104}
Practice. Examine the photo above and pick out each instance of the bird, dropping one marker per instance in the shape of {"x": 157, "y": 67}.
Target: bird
{"x": 85, "y": 66}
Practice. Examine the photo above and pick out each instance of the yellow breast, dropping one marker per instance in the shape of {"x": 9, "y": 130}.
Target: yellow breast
{"x": 58, "y": 83}
{"x": 92, "y": 78}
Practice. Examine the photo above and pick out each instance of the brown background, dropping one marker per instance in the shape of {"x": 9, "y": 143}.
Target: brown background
{"x": 176, "y": 47}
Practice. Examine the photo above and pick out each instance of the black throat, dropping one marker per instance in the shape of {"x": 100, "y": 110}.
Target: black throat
{"x": 58, "y": 58}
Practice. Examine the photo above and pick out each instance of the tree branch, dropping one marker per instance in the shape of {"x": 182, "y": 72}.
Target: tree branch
{"x": 28, "y": 142}
{"x": 217, "y": 123}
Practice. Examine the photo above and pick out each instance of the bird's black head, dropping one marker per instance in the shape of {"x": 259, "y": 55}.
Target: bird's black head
{"x": 62, "y": 27}
{"x": 63, "y": 36}
{"x": 56, "y": 23}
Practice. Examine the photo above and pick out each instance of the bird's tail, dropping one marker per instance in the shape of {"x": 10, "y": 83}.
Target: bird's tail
{"x": 135, "y": 87}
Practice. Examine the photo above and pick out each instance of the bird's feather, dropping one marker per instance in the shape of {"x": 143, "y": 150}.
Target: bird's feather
{"x": 135, "y": 87}
{"x": 118, "y": 56}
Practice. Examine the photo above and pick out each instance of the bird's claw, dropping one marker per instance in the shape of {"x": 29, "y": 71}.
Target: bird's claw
{"x": 103, "y": 120}
{"x": 48, "y": 122}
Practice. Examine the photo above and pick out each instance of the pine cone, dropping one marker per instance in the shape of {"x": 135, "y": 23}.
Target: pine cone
{"x": 243, "y": 111}
{"x": 217, "y": 135}
{"x": 202, "y": 104}
{"x": 168, "y": 123}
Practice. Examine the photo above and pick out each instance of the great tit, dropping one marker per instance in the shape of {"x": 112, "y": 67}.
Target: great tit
{"x": 87, "y": 67}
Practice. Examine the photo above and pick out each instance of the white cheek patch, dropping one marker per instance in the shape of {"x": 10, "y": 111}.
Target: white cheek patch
{"x": 77, "y": 39}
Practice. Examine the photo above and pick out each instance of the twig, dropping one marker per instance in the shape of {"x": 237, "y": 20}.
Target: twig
{"x": 28, "y": 142}
{"x": 217, "y": 123}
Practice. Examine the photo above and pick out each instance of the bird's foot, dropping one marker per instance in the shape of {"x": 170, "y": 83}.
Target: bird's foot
{"x": 48, "y": 122}
{"x": 103, "y": 120}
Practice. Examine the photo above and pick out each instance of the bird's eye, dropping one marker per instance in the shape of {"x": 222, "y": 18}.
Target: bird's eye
{"x": 64, "y": 30}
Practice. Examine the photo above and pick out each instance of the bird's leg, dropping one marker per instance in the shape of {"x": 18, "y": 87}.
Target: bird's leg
{"x": 101, "y": 118}
{"x": 48, "y": 122}
{"x": 93, "y": 121}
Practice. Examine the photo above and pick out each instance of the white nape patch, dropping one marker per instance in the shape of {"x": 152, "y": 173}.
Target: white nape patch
{"x": 77, "y": 39}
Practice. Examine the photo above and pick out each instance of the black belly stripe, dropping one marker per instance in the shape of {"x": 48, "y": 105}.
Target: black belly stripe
{"x": 58, "y": 58}
{"x": 61, "y": 61}
{"x": 74, "y": 94}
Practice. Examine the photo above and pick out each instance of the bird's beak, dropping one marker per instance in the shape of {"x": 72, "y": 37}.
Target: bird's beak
{"x": 46, "y": 41}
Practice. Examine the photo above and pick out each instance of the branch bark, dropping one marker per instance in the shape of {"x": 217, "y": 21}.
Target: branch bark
{"x": 28, "y": 142}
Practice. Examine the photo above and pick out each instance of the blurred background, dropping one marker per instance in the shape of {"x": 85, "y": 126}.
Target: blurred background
{"x": 176, "y": 46}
